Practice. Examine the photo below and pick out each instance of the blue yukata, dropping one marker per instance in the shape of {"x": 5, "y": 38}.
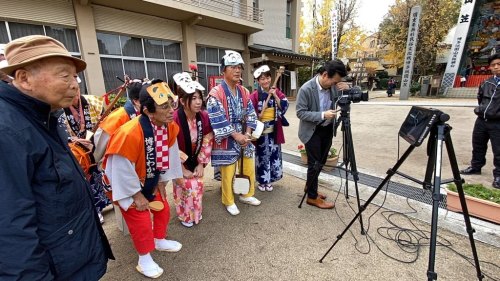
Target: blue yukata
{"x": 268, "y": 158}
{"x": 226, "y": 113}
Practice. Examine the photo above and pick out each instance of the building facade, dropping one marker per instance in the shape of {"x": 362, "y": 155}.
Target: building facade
{"x": 151, "y": 38}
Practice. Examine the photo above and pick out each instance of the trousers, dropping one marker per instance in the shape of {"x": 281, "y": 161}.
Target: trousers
{"x": 317, "y": 152}
{"x": 483, "y": 132}
{"x": 227, "y": 175}
{"x": 143, "y": 231}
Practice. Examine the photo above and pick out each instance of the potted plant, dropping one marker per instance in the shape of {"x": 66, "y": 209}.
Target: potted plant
{"x": 303, "y": 154}
{"x": 481, "y": 201}
{"x": 331, "y": 160}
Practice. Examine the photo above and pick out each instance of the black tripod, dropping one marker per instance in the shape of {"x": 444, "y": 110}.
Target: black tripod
{"x": 440, "y": 132}
{"x": 349, "y": 158}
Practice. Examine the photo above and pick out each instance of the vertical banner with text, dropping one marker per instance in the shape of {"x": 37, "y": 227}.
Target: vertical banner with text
{"x": 457, "y": 46}
{"x": 409, "y": 58}
{"x": 334, "y": 30}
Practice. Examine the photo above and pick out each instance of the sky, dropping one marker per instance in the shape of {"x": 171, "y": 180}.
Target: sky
{"x": 371, "y": 13}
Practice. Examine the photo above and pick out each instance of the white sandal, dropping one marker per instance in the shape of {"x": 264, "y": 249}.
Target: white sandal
{"x": 262, "y": 187}
{"x": 153, "y": 272}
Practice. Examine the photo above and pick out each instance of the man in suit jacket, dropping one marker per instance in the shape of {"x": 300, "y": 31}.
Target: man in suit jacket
{"x": 315, "y": 109}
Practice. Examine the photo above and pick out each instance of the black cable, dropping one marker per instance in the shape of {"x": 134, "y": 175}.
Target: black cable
{"x": 411, "y": 239}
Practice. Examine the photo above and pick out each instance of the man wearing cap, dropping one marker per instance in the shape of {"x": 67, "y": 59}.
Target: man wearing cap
{"x": 316, "y": 110}
{"x": 142, "y": 156}
{"x": 49, "y": 226}
{"x": 233, "y": 118}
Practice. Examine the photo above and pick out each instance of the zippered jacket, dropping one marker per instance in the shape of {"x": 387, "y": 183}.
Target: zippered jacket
{"x": 488, "y": 98}
{"x": 49, "y": 229}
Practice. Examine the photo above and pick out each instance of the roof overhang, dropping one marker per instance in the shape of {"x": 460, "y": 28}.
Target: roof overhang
{"x": 280, "y": 55}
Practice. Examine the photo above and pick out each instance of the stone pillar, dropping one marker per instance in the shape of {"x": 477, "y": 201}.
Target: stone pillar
{"x": 188, "y": 45}
{"x": 89, "y": 49}
{"x": 247, "y": 72}
{"x": 294, "y": 25}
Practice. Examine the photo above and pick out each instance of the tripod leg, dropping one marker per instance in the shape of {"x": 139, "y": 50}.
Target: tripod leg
{"x": 390, "y": 173}
{"x": 349, "y": 147}
{"x": 345, "y": 159}
{"x": 458, "y": 182}
{"x": 437, "y": 151}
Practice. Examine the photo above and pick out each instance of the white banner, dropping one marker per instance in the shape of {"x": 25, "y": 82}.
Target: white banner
{"x": 293, "y": 80}
{"x": 334, "y": 30}
{"x": 457, "y": 47}
{"x": 411, "y": 45}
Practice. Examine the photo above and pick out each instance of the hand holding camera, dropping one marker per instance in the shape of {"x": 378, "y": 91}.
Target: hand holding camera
{"x": 330, "y": 114}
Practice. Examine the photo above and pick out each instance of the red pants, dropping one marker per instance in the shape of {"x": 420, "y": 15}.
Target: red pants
{"x": 142, "y": 230}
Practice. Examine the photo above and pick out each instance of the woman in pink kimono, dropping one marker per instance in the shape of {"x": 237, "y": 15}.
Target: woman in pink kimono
{"x": 195, "y": 144}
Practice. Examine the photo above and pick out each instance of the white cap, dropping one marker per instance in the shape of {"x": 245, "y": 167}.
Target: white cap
{"x": 187, "y": 84}
{"x": 258, "y": 72}
{"x": 232, "y": 58}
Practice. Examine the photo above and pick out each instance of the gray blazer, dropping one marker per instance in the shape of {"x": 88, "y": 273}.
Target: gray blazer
{"x": 308, "y": 109}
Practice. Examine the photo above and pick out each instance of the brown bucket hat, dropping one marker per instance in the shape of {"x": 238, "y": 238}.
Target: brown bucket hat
{"x": 26, "y": 50}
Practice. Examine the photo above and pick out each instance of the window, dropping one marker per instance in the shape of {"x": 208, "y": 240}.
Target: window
{"x": 13, "y": 30}
{"x": 255, "y": 10}
{"x": 288, "y": 19}
{"x": 208, "y": 63}
{"x": 137, "y": 57}
{"x": 4, "y": 36}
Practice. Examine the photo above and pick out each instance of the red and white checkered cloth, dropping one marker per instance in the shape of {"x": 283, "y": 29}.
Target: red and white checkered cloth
{"x": 161, "y": 140}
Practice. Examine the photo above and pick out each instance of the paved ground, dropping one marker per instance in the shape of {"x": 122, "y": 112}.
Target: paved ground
{"x": 278, "y": 241}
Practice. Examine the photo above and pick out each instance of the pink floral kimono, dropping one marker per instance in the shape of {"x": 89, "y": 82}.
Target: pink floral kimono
{"x": 195, "y": 150}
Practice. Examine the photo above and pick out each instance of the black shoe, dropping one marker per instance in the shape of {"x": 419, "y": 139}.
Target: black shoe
{"x": 471, "y": 171}
{"x": 496, "y": 182}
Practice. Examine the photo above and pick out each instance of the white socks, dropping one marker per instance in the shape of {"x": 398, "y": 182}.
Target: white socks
{"x": 167, "y": 245}
{"x": 146, "y": 261}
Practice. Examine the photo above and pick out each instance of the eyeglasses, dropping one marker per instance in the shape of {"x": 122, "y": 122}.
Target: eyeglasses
{"x": 169, "y": 105}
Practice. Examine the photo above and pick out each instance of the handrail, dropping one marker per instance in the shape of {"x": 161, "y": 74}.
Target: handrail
{"x": 230, "y": 8}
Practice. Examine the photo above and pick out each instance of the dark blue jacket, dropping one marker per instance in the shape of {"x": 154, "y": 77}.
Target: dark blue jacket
{"x": 49, "y": 229}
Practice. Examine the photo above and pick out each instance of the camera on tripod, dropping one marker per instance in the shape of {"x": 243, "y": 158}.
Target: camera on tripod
{"x": 354, "y": 95}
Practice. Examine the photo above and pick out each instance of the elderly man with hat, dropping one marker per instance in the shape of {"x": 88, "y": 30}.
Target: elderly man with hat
{"x": 233, "y": 118}
{"x": 141, "y": 157}
{"x": 49, "y": 226}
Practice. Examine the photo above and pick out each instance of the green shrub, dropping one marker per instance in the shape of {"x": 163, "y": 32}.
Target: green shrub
{"x": 415, "y": 87}
{"x": 478, "y": 191}
{"x": 382, "y": 84}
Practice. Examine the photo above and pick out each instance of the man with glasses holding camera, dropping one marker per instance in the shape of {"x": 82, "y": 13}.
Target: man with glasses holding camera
{"x": 315, "y": 109}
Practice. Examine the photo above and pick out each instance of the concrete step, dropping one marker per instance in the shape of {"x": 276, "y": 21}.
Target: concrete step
{"x": 462, "y": 93}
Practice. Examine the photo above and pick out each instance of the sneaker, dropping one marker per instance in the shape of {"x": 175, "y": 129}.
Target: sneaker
{"x": 154, "y": 271}
{"x": 262, "y": 187}
{"x": 496, "y": 183}
{"x": 470, "y": 171}
{"x": 269, "y": 187}
{"x": 165, "y": 245}
{"x": 250, "y": 200}
{"x": 233, "y": 210}
{"x": 187, "y": 224}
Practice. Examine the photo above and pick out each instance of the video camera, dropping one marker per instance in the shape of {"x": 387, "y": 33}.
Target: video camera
{"x": 354, "y": 94}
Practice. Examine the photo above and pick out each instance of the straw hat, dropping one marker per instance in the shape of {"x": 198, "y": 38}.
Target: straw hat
{"x": 26, "y": 50}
